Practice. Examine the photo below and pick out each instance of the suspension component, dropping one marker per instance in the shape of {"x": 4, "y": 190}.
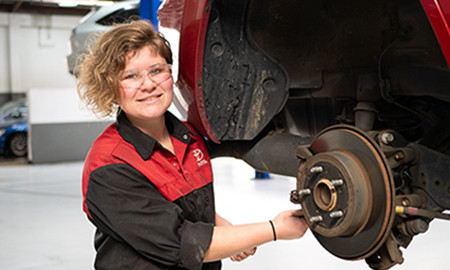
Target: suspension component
{"x": 350, "y": 194}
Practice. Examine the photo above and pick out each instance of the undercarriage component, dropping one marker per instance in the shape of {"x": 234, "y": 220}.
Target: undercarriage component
{"x": 340, "y": 205}
{"x": 350, "y": 208}
{"x": 365, "y": 194}
{"x": 261, "y": 77}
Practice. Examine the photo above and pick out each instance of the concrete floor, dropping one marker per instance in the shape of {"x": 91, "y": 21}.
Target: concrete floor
{"x": 42, "y": 226}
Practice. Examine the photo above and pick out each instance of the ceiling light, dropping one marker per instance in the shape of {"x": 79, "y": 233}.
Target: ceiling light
{"x": 67, "y": 4}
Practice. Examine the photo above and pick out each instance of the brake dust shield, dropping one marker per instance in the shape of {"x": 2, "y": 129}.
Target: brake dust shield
{"x": 346, "y": 190}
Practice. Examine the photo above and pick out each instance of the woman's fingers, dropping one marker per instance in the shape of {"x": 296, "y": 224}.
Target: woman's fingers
{"x": 243, "y": 255}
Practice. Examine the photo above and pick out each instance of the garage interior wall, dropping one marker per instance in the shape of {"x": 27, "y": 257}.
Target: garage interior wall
{"x": 33, "y": 49}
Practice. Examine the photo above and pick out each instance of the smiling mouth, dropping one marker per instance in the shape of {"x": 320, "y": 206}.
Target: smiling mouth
{"x": 151, "y": 98}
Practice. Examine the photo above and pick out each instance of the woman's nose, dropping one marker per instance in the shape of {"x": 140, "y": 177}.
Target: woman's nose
{"x": 147, "y": 81}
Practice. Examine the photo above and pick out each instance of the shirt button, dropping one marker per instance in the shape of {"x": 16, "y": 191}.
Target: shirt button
{"x": 185, "y": 136}
{"x": 174, "y": 164}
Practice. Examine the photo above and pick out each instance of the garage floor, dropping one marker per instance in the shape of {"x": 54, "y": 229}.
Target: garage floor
{"x": 42, "y": 226}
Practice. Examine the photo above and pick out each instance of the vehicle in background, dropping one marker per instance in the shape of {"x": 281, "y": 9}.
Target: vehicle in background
{"x": 96, "y": 22}
{"x": 14, "y": 128}
{"x": 351, "y": 97}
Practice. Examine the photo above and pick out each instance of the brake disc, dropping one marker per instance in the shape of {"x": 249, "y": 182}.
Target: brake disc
{"x": 346, "y": 190}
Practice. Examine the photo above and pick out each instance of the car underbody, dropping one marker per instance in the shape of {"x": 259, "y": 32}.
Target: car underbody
{"x": 351, "y": 97}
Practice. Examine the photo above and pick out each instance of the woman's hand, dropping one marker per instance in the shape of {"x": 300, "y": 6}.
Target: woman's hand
{"x": 243, "y": 255}
{"x": 290, "y": 225}
{"x": 239, "y": 241}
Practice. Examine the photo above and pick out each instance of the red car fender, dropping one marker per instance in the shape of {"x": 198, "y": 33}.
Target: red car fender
{"x": 438, "y": 13}
{"x": 192, "y": 39}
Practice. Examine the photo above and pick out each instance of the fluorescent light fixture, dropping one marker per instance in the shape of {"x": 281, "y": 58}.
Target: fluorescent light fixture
{"x": 67, "y": 4}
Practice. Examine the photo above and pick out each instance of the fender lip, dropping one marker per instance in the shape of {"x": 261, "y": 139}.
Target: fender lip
{"x": 438, "y": 13}
{"x": 192, "y": 39}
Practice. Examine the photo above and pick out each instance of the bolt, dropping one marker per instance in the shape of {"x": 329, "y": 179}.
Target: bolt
{"x": 399, "y": 155}
{"x": 387, "y": 137}
{"x": 217, "y": 49}
{"x": 316, "y": 169}
{"x": 336, "y": 214}
{"x": 305, "y": 191}
{"x": 337, "y": 182}
{"x": 416, "y": 226}
{"x": 421, "y": 226}
{"x": 294, "y": 196}
{"x": 405, "y": 202}
{"x": 269, "y": 84}
{"x": 315, "y": 219}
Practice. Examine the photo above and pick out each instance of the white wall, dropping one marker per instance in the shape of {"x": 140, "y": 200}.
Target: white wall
{"x": 33, "y": 49}
{"x": 60, "y": 128}
{"x": 58, "y": 105}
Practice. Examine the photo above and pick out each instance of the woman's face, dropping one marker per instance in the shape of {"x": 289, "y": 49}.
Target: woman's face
{"x": 146, "y": 86}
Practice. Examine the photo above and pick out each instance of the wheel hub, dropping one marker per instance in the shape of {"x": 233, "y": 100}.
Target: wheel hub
{"x": 345, "y": 188}
{"x": 341, "y": 193}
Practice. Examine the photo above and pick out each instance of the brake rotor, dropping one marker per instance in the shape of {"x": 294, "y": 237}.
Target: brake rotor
{"x": 346, "y": 191}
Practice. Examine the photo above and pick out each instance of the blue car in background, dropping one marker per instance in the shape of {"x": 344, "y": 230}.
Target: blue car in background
{"x": 14, "y": 128}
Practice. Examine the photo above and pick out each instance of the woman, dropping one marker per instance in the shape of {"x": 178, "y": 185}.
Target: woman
{"x": 147, "y": 180}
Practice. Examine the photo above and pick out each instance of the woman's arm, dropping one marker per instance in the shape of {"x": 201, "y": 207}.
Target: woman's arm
{"x": 220, "y": 221}
{"x": 230, "y": 240}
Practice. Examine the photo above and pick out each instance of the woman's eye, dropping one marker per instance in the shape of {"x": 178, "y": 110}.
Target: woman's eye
{"x": 130, "y": 76}
{"x": 155, "y": 71}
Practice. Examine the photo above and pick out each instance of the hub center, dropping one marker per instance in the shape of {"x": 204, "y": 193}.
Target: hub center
{"x": 325, "y": 195}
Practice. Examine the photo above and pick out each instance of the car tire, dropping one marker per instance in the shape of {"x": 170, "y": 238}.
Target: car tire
{"x": 17, "y": 145}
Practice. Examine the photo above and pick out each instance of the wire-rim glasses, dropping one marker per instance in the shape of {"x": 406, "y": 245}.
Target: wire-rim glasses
{"x": 133, "y": 79}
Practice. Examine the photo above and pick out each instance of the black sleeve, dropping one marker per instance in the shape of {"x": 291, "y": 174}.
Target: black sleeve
{"x": 127, "y": 206}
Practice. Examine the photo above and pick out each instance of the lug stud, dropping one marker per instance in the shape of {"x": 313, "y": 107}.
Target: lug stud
{"x": 315, "y": 219}
{"x": 303, "y": 192}
{"x": 316, "y": 169}
{"x": 337, "y": 182}
{"x": 336, "y": 214}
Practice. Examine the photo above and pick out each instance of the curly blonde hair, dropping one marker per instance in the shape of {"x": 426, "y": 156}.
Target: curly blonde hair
{"x": 100, "y": 69}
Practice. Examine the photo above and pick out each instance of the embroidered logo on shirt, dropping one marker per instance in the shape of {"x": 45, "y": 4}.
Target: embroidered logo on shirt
{"x": 198, "y": 154}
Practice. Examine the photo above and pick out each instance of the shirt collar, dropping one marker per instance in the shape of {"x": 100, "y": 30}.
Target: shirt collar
{"x": 143, "y": 143}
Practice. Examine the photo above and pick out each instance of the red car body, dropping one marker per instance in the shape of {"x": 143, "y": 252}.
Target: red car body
{"x": 438, "y": 12}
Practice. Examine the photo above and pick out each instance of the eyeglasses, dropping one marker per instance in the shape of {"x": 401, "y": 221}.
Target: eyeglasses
{"x": 133, "y": 79}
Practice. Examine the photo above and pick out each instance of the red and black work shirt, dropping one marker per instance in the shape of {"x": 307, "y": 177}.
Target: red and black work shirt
{"x": 152, "y": 209}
